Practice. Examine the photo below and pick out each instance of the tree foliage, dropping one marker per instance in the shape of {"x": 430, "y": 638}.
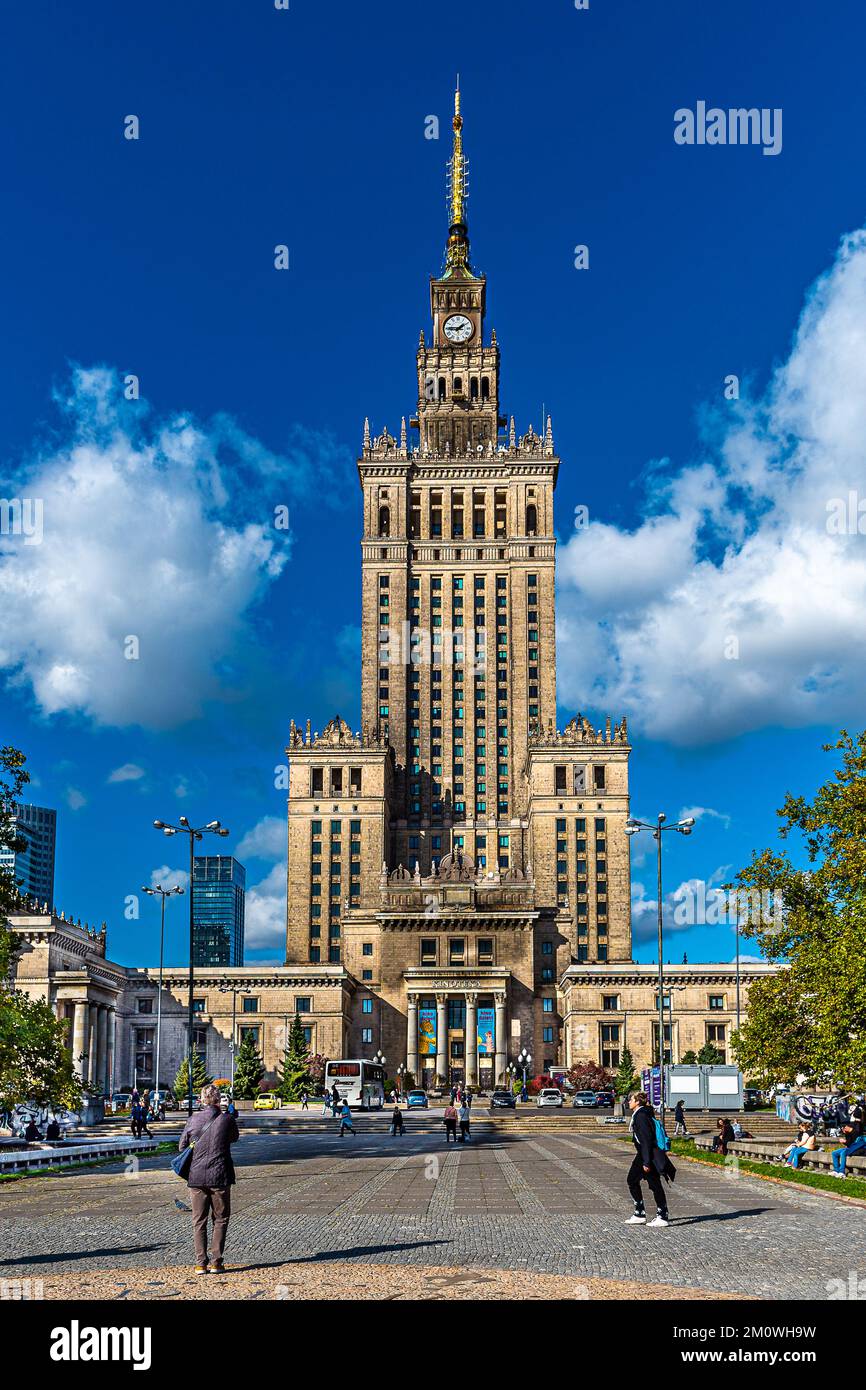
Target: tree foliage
{"x": 200, "y": 1078}
{"x": 810, "y": 1017}
{"x": 588, "y": 1076}
{"x": 626, "y": 1079}
{"x": 249, "y": 1069}
{"x": 296, "y": 1073}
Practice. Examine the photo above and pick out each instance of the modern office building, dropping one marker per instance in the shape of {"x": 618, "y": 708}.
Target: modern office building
{"x": 218, "y": 910}
{"x": 33, "y": 866}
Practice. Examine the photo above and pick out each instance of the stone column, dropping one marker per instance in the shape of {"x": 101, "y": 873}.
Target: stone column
{"x": 442, "y": 1035}
{"x": 501, "y": 1041}
{"x": 471, "y": 1040}
{"x": 111, "y": 1062}
{"x": 90, "y": 1065}
{"x": 79, "y": 1038}
{"x": 102, "y": 1048}
{"x": 412, "y": 1038}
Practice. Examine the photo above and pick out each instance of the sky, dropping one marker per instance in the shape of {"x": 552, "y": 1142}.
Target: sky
{"x": 705, "y": 371}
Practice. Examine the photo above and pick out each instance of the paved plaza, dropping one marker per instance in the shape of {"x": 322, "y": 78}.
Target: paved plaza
{"x": 551, "y": 1205}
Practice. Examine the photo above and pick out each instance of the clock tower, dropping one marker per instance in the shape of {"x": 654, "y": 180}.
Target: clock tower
{"x": 458, "y": 376}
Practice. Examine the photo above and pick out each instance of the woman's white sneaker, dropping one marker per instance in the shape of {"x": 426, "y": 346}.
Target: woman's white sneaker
{"x": 659, "y": 1221}
{"x": 636, "y": 1220}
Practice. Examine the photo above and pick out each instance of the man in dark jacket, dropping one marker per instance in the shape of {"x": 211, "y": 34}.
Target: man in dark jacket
{"x": 649, "y": 1163}
{"x": 211, "y": 1175}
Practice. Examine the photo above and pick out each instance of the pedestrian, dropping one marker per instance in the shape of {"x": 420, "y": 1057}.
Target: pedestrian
{"x": 464, "y": 1115}
{"x": 345, "y": 1118}
{"x": 396, "y": 1119}
{"x": 724, "y": 1136}
{"x": 305, "y": 1101}
{"x": 211, "y": 1175}
{"x": 650, "y": 1163}
{"x": 450, "y": 1118}
{"x": 136, "y": 1116}
{"x": 680, "y": 1118}
{"x": 335, "y": 1098}
{"x": 468, "y": 1099}
{"x": 31, "y": 1133}
{"x": 737, "y": 1128}
{"x": 806, "y": 1143}
{"x": 326, "y": 1103}
{"x": 855, "y": 1139}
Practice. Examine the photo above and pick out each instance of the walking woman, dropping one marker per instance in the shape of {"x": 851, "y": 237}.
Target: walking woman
{"x": 450, "y": 1118}
{"x": 211, "y": 1176}
{"x": 650, "y": 1163}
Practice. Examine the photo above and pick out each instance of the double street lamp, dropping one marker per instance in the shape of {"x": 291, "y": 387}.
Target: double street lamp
{"x": 183, "y": 827}
{"x": 162, "y": 894}
{"x": 523, "y": 1061}
{"x": 682, "y": 827}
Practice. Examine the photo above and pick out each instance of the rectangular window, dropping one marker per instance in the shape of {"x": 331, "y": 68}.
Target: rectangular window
{"x": 456, "y": 950}
{"x": 366, "y": 1006}
{"x": 547, "y": 1006}
{"x": 717, "y": 1001}
{"x": 250, "y": 1004}
{"x": 303, "y": 1004}
{"x": 485, "y": 950}
{"x": 366, "y": 1035}
{"x": 547, "y": 1035}
{"x": 367, "y": 948}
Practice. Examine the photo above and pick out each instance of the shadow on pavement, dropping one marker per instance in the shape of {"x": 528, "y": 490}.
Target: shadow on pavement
{"x": 60, "y": 1256}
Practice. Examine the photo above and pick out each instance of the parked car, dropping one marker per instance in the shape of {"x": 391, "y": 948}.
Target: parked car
{"x": 268, "y": 1100}
{"x": 604, "y": 1100}
{"x": 417, "y": 1099}
{"x": 751, "y": 1098}
{"x": 164, "y": 1096}
{"x": 584, "y": 1099}
{"x": 118, "y": 1102}
{"x": 505, "y": 1100}
{"x": 549, "y": 1096}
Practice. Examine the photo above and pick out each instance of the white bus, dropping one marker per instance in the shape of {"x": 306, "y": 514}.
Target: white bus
{"x": 359, "y": 1082}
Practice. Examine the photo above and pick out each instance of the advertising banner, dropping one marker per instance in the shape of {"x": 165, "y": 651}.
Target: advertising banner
{"x": 486, "y": 1032}
{"x": 427, "y": 1032}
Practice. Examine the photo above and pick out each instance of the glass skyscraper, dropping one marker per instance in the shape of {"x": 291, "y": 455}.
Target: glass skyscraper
{"x": 218, "y": 910}
{"x": 33, "y": 866}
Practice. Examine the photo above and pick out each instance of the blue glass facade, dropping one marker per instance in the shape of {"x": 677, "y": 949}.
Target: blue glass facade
{"x": 33, "y": 866}
{"x": 218, "y": 910}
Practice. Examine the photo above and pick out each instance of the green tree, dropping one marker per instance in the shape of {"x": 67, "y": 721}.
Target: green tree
{"x": 296, "y": 1073}
{"x": 689, "y": 1059}
{"x": 625, "y": 1079}
{"x": 709, "y": 1056}
{"x": 810, "y": 1017}
{"x": 200, "y": 1078}
{"x": 35, "y": 1061}
{"x": 249, "y": 1069}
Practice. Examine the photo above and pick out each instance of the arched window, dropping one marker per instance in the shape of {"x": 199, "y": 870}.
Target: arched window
{"x": 458, "y": 385}
{"x": 531, "y": 519}
{"x": 485, "y": 388}
{"x": 384, "y": 521}
{"x": 473, "y": 388}
{"x": 440, "y": 388}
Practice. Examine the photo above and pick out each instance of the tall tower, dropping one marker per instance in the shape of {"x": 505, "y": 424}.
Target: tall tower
{"x": 458, "y": 854}
{"x": 458, "y": 552}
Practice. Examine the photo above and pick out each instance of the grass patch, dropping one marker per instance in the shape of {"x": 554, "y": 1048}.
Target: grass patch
{"x": 58, "y": 1169}
{"x": 801, "y": 1177}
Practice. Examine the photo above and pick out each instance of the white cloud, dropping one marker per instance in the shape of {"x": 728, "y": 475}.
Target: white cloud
{"x": 265, "y": 911}
{"x": 75, "y": 799}
{"x": 161, "y": 531}
{"x": 698, "y": 813}
{"x": 733, "y": 555}
{"x": 164, "y": 877}
{"x": 129, "y": 772}
{"x": 266, "y": 840}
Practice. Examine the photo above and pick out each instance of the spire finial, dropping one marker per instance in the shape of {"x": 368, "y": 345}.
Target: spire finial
{"x": 457, "y": 254}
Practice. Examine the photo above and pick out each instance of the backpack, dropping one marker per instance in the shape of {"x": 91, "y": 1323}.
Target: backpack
{"x": 662, "y": 1140}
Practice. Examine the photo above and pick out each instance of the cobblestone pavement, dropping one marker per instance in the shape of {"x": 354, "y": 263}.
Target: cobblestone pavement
{"x": 554, "y": 1205}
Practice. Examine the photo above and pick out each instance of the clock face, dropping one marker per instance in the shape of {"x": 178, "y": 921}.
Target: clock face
{"x": 458, "y": 328}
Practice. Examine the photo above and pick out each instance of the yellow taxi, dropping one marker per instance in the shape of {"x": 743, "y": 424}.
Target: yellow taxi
{"x": 268, "y": 1100}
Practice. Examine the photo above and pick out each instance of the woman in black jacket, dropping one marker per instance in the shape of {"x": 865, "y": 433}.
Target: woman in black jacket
{"x": 649, "y": 1163}
{"x": 211, "y": 1175}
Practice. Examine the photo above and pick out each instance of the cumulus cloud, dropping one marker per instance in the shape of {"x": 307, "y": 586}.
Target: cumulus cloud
{"x": 160, "y": 537}
{"x": 737, "y": 601}
{"x": 129, "y": 772}
{"x": 684, "y": 906}
{"x": 701, "y": 812}
{"x": 75, "y": 799}
{"x": 266, "y": 840}
{"x": 265, "y": 912}
{"x": 164, "y": 877}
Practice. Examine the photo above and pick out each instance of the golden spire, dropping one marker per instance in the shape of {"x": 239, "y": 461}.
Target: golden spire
{"x": 457, "y": 252}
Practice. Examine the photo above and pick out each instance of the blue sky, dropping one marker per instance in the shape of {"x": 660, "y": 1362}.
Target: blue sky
{"x": 155, "y": 257}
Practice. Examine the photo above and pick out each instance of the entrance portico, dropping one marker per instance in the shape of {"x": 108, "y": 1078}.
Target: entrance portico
{"x": 457, "y": 1026}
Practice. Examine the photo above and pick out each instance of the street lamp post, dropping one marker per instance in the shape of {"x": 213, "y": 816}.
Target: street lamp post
{"x": 183, "y": 827}
{"x": 523, "y": 1061}
{"x": 682, "y": 827}
{"x": 234, "y": 991}
{"x": 401, "y": 1077}
{"x": 162, "y": 894}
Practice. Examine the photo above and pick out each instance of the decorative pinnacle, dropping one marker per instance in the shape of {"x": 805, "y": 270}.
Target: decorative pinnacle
{"x": 457, "y": 252}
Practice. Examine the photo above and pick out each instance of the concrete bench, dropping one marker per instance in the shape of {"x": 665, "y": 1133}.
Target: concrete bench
{"x": 47, "y": 1156}
{"x": 768, "y": 1151}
